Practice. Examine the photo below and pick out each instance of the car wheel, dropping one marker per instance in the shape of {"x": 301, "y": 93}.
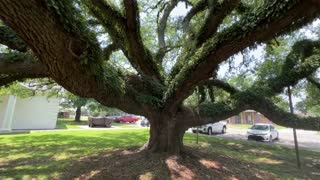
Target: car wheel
{"x": 210, "y": 131}
{"x": 277, "y": 136}
{"x": 224, "y": 130}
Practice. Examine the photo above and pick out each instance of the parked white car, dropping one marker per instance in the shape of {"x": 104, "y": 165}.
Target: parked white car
{"x": 263, "y": 132}
{"x": 218, "y": 127}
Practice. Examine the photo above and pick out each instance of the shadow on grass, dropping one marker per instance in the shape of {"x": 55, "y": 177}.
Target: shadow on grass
{"x": 273, "y": 158}
{"x": 68, "y": 154}
{"x": 48, "y": 154}
{"x": 134, "y": 164}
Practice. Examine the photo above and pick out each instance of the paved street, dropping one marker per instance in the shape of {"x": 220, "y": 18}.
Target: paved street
{"x": 307, "y": 139}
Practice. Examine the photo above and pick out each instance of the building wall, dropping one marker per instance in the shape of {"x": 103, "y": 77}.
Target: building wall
{"x": 3, "y": 107}
{"x": 37, "y": 112}
{"x": 249, "y": 117}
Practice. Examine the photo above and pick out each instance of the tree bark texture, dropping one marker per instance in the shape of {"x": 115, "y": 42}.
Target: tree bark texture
{"x": 78, "y": 114}
{"x": 166, "y": 136}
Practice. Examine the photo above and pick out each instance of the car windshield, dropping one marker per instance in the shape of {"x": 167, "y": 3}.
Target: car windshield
{"x": 260, "y": 127}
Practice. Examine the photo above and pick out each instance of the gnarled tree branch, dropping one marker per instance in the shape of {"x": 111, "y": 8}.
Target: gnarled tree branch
{"x": 48, "y": 35}
{"x": 109, "y": 50}
{"x": 23, "y": 68}
{"x": 199, "y": 7}
{"x": 6, "y": 80}
{"x": 220, "y": 84}
{"x": 242, "y": 34}
{"x": 215, "y": 17}
{"x": 139, "y": 55}
{"x": 243, "y": 100}
{"x": 314, "y": 81}
{"x": 161, "y": 28}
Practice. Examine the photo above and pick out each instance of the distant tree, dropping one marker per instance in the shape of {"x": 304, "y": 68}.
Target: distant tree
{"x": 97, "y": 109}
{"x": 139, "y": 57}
{"x": 17, "y": 90}
{"x": 71, "y": 100}
{"x": 310, "y": 103}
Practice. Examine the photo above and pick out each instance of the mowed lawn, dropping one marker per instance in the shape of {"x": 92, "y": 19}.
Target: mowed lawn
{"x": 48, "y": 155}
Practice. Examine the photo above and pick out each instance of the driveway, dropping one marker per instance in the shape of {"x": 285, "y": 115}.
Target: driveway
{"x": 307, "y": 139}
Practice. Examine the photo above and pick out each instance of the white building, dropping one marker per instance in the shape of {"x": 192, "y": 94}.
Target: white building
{"x": 37, "y": 112}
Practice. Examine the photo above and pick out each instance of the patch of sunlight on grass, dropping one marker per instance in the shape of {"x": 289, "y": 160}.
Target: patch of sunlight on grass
{"x": 73, "y": 127}
{"x": 92, "y": 174}
{"x": 210, "y": 164}
{"x": 239, "y": 126}
{"x": 268, "y": 161}
{"x": 235, "y": 144}
{"x": 69, "y": 123}
{"x": 259, "y": 151}
{"x": 204, "y": 144}
{"x": 125, "y": 125}
{"x": 27, "y": 177}
{"x": 147, "y": 176}
{"x": 63, "y": 156}
{"x": 231, "y": 143}
{"x": 24, "y": 167}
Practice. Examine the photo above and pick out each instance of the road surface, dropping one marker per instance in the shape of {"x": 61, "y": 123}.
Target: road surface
{"x": 307, "y": 139}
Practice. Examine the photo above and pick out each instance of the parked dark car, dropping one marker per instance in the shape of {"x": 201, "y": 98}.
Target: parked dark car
{"x": 145, "y": 122}
{"x": 100, "y": 121}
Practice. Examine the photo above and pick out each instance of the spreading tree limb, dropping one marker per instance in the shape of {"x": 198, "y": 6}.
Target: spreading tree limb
{"x": 161, "y": 28}
{"x": 217, "y": 13}
{"x": 271, "y": 20}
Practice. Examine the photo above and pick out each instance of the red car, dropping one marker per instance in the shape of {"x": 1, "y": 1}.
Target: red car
{"x": 127, "y": 119}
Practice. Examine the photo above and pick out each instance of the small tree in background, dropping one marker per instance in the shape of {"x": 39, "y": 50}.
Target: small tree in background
{"x": 97, "y": 109}
{"x": 71, "y": 100}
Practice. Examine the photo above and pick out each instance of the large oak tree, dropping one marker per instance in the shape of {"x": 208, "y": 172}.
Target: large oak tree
{"x": 61, "y": 40}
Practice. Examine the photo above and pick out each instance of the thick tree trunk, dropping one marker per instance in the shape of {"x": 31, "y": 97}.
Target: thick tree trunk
{"x": 78, "y": 114}
{"x": 166, "y": 136}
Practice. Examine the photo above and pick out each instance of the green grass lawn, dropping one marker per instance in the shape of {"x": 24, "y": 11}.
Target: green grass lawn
{"x": 125, "y": 125}
{"x": 46, "y": 155}
{"x": 276, "y": 159}
{"x": 247, "y": 126}
{"x": 69, "y": 123}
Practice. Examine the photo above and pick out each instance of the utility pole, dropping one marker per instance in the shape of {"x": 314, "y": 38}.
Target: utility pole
{"x": 198, "y": 98}
{"x": 294, "y": 130}
{"x": 197, "y": 135}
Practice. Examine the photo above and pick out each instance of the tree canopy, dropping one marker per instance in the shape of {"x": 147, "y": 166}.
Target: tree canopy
{"x": 140, "y": 57}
